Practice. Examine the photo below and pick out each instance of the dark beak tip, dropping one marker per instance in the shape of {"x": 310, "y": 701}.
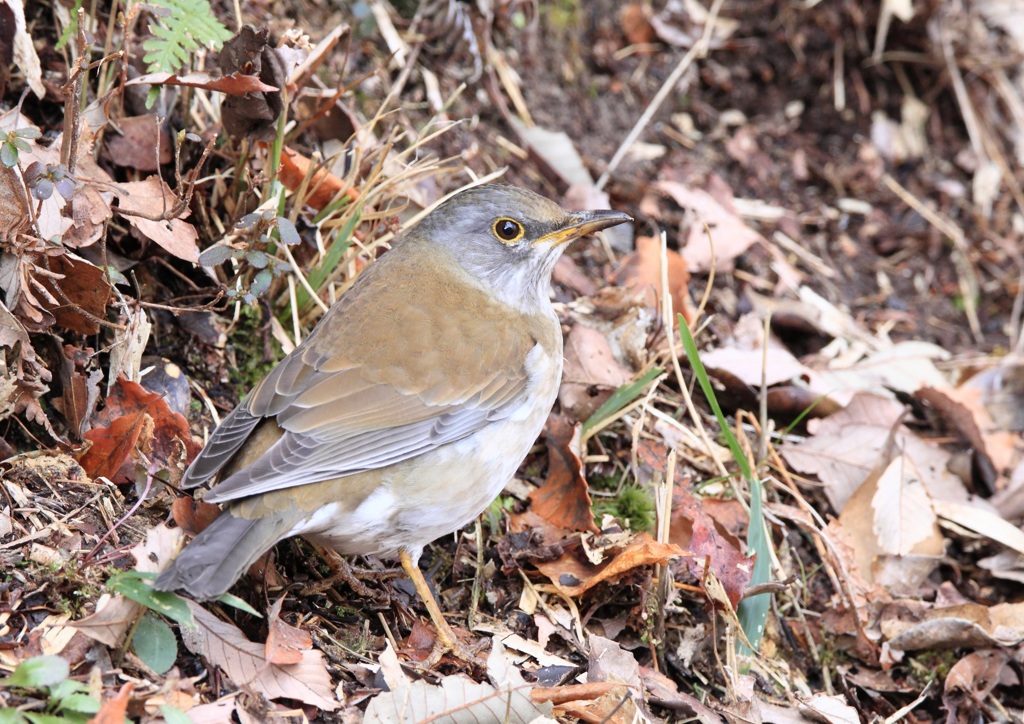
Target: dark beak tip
{"x": 605, "y": 218}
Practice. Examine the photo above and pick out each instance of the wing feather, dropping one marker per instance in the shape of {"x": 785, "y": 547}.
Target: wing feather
{"x": 342, "y": 406}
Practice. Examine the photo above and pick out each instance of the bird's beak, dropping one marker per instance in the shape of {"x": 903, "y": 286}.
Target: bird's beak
{"x": 581, "y": 223}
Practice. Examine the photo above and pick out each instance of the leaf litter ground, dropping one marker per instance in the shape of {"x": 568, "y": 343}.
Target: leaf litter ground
{"x": 861, "y": 189}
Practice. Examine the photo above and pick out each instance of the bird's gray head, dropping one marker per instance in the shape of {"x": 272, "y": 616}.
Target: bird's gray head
{"x": 509, "y": 238}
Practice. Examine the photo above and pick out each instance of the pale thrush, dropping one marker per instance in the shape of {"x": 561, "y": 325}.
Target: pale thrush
{"x": 408, "y": 408}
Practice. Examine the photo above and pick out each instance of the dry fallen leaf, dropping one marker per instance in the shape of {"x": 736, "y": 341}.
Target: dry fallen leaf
{"x": 153, "y": 198}
{"x": 242, "y": 661}
{"x": 641, "y": 271}
{"x": 730, "y": 235}
{"x": 591, "y": 373}
{"x": 574, "y": 577}
{"x": 564, "y": 499}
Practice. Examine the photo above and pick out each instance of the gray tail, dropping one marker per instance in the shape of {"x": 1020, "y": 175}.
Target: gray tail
{"x": 221, "y": 553}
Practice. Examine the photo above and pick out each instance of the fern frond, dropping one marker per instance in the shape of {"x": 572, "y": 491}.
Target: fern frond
{"x": 188, "y": 25}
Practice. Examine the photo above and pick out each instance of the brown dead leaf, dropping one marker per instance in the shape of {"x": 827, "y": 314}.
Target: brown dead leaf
{"x": 139, "y": 142}
{"x": 242, "y": 661}
{"x": 913, "y": 625}
{"x": 564, "y": 498}
{"x": 729, "y": 233}
{"x": 90, "y": 206}
{"x": 285, "y": 643}
{"x": 81, "y": 294}
{"x": 15, "y": 218}
{"x": 634, "y": 19}
{"x": 322, "y": 187}
{"x": 153, "y": 198}
{"x": 575, "y": 577}
{"x": 25, "y": 377}
{"x": 964, "y": 412}
{"x": 890, "y": 517}
{"x": 641, "y": 271}
{"x": 972, "y": 679}
{"x": 235, "y": 84}
{"x": 591, "y": 373}
{"x": 193, "y": 516}
{"x": 117, "y": 432}
{"x": 115, "y": 444}
{"x": 692, "y": 529}
{"x": 113, "y": 711}
{"x": 79, "y": 392}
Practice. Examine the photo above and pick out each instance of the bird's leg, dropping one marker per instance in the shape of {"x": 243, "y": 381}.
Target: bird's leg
{"x": 446, "y": 640}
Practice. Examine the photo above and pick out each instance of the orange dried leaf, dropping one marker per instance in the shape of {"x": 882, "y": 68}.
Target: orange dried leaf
{"x": 574, "y": 577}
{"x": 564, "y": 499}
{"x": 322, "y": 188}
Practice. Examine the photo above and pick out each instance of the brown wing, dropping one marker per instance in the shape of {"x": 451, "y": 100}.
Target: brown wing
{"x": 389, "y": 373}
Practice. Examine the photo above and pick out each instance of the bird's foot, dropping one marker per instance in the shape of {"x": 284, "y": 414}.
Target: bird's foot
{"x": 446, "y": 643}
{"x": 341, "y": 572}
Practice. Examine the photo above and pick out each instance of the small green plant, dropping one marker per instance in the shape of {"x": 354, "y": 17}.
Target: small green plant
{"x": 179, "y": 29}
{"x": 633, "y": 506}
{"x": 152, "y": 639}
{"x": 494, "y": 512}
{"x": 47, "y": 676}
{"x": 261, "y": 227}
{"x": 15, "y": 143}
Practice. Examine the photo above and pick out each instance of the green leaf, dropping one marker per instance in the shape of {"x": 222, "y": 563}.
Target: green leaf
{"x": 80, "y": 703}
{"x": 130, "y": 584}
{"x": 235, "y": 602}
{"x": 66, "y": 688}
{"x": 11, "y": 716}
{"x": 619, "y": 399}
{"x": 37, "y": 718}
{"x": 178, "y": 31}
{"x": 37, "y": 672}
{"x": 215, "y": 255}
{"x": 8, "y": 155}
{"x": 287, "y": 231}
{"x": 261, "y": 282}
{"x": 257, "y": 258}
{"x": 155, "y": 644}
{"x": 752, "y": 612}
{"x": 173, "y": 715}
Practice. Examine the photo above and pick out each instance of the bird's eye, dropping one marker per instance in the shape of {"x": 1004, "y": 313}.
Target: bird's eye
{"x": 508, "y": 230}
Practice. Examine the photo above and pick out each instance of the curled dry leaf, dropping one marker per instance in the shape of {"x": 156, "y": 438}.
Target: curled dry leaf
{"x": 132, "y": 416}
{"x": 234, "y": 84}
{"x": 909, "y": 625}
{"x": 322, "y": 188}
{"x": 575, "y": 577}
{"x": 564, "y": 498}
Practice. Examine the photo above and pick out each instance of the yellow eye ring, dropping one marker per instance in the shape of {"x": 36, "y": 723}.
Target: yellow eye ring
{"x": 508, "y": 230}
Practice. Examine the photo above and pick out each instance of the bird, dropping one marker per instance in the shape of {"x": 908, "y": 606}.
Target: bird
{"x": 407, "y": 409}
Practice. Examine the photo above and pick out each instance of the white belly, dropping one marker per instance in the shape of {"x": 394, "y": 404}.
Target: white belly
{"x": 439, "y": 492}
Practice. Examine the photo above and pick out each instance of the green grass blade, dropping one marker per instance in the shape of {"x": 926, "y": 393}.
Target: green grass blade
{"x": 619, "y": 399}
{"x": 753, "y": 611}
